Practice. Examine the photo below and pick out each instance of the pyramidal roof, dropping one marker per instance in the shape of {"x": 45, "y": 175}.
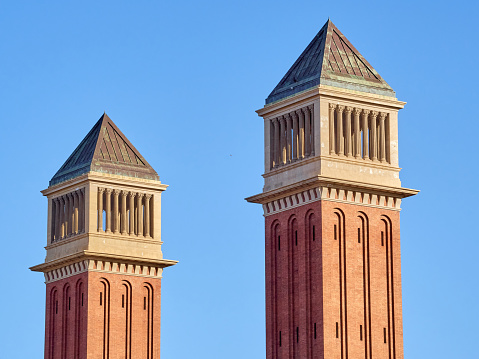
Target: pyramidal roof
{"x": 330, "y": 59}
{"x": 105, "y": 149}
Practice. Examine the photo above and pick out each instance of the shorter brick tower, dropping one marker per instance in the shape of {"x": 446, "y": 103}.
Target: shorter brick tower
{"x": 104, "y": 262}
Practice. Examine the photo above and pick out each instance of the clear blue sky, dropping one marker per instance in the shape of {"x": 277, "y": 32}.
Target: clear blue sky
{"x": 182, "y": 80}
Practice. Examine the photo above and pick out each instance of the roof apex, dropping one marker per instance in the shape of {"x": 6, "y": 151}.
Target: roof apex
{"x": 330, "y": 59}
{"x": 105, "y": 149}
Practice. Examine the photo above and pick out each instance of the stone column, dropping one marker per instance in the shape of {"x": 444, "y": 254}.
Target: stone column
{"x": 357, "y": 134}
{"x": 307, "y": 131}
{"x": 339, "y": 133}
{"x": 276, "y": 142}
{"x": 75, "y": 212}
{"x": 332, "y": 145}
{"x": 56, "y": 219}
{"x": 123, "y": 211}
{"x": 72, "y": 213}
{"x": 382, "y": 137}
{"x": 268, "y": 141}
{"x": 365, "y": 115}
{"x": 283, "y": 139}
{"x": 288, "y": 138}
{"x": 271, "y": 144}
{"x": 116, "y": 195}
{"x": 152, "y": 216}
{"x": 347, "y": 136}
{"x": 108, "y": 210}
{"x": 139, "y": 212}
{"x": 294, "y": 118}
{"x": 68, "y": 215}
{"x": 65, "y": 216}
{"x": 374, "y": 139}
{"x": 301, "y": 133}
{"x": 147, "y": 215}
{"x": 61, "y": 224}
{"x": 82, "y": 210}
{"x": 132, "y": 213}
{"x": 100, "y": 209}
{"x": 52, "y": 220}
{"x": 311, "y": 129}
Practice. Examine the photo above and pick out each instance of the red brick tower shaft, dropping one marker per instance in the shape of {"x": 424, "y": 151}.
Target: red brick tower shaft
{"x": 103, "y": 315}
{"x": 331, "y": 203}
{"x": 333, "y": 280}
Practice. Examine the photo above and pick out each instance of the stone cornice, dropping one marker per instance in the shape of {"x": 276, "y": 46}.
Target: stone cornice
{"x": 102, "y": 266}
{"x": 334, "y": 93}
{"x": 88, "y": 255}
{"x": 105, "y": 179}
{"x": 320, "y": 181}
{"x": 334, "y": 195}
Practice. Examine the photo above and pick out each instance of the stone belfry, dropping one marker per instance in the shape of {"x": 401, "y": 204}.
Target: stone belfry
{"x": 104, "y": 262}
{"x": 331, "y": 201}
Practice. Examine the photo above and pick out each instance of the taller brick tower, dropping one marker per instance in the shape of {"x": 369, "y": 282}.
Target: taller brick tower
{"x": 331, "y": 201}
{"x": 104, "y": 263}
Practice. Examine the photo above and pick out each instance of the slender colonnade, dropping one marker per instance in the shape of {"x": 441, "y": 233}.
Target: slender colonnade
{"x": 68, "y": 215}
{"x": 292, "y": 136}
{"x": 358, "y": 133}
{"x": 125, "y": 212}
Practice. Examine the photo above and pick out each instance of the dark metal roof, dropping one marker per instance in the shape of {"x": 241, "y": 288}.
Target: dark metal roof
{"x": 330, "y": 59}
{"x": 105, "y": 149}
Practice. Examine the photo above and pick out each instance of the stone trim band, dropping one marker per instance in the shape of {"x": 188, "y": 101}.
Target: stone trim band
{"x": 92, "y": 265}
{"x": 331, "y": 194}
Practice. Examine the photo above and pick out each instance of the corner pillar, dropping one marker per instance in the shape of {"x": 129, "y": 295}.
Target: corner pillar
{"x": 332, "y": 145}
{"x": 147, "y": 215}
{"x": 100, "y": 209}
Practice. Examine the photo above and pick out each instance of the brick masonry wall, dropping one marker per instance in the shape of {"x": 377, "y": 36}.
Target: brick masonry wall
{"x": 66, "y": 318}
{"x": 349, "y": 275}
{"x": 120, "y": 317}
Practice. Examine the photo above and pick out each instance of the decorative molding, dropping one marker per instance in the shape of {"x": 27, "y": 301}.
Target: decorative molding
{"x": 291, "y": 201}
{"x": 103, "y": 180}
{"x": 332, "y": 157}
{"x": 103, "y": 266}
{"x": 334, "y": 194}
